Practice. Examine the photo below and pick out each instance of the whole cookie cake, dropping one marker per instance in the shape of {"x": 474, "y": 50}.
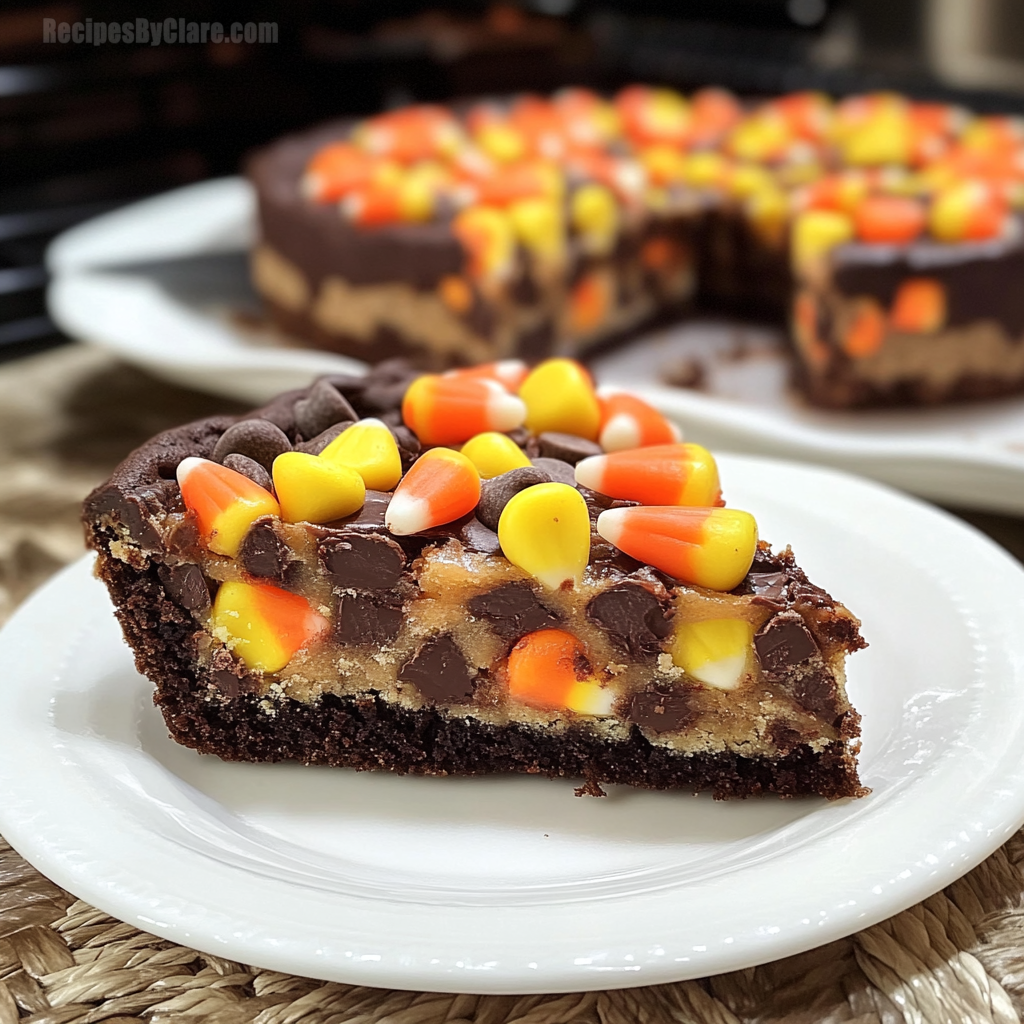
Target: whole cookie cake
{"x": 887, "y": 231}
{"x": 487, "y": 570}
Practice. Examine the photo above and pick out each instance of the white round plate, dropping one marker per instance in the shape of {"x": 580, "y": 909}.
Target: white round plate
{"x": 513, "y": 884}
{"x": 161, "y": 282}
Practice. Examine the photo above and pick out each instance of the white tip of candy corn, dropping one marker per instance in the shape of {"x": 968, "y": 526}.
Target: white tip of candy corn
{"x": 510, "y": 372}
{"x": 611, "y": 522}
{"x": 620, "y": 432}
{"x": 590, "y": 472}
{"x": 505, "y": 411}
{"x": 724, "y": 674}
{"x": 188, "y": 466}
{"x": 406, "y": 515}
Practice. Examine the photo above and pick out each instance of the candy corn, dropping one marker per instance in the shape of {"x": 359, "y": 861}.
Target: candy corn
{"x": 866, "y": 331}
{"x": 707, "y": 547}
{"x": 888, "y": 219}
{"x": 714, "y": 651}
{"x": 559, "y": 396}
{"x": 590, "y": 302}
{"x": 224, "y": 502}
{"x": 337, "y": 169}
{"x": 450, "y": 410}
{"x": 969, "y": 211}
{"x": 653, "y": 115}
{"x": 493, "y": 454}
{"x": 545, "y": 531}
{"x": 369, "y": 448}
{"x": 629, "y": 422}
{"x": 548, "y": 669}
{"x": 488, "y": 237}
{"x": 316, "y": 490}
{"x": 919, "y": 306}
{"x": 817, "y": 232}
{"x": 441, "y": 486}
{"x": 665, "y": 474}
{"x": 594, "y": 213}
{"x": 509, "y": 373}
{"x": 265, "y": 625}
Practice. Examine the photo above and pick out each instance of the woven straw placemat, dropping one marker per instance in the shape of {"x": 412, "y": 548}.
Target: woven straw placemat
{"x": 66, "y": 418}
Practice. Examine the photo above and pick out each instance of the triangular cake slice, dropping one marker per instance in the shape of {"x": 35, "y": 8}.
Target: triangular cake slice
{"x": 449, "y": 575}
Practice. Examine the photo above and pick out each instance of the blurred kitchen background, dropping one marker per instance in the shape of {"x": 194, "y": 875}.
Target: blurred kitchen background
{"x": 86, "y": 128}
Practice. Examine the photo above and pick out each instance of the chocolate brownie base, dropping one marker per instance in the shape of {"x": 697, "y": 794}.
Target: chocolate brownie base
{"x": 795, "y": 733}
{"x": 372, "y": 734}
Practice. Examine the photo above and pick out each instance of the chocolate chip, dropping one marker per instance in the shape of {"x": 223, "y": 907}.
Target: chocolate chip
{"x": 512, "y": 610}
{"x": 320, "y": 409}
{"x": 783, "y": 736}
{"x": 364, "y": 620}
{"x": 439, "y": 671}
{"x": 259, "y": 440}
{"x": 567, "y": 447}
{"x": 662, "y": 709}
{"x": 768, "y": 588}
{"x": 633, "y": 617}
{"x": 409, "y": 446}
{"x": 317, "y": 444}
{"x": 817, "y": 691}
{"x": 520, "y": 435}
{"x": 348, "y": 385}
{"x": 783, "y": 642}
{"x": 250, "y": 468}
{"x": 126, "y": 511}
{"x": 558, "y": 471}
{"x": 186, "y": 585}
{"x": 497, "y": 492}
{"x": 804, "y": 592}
{"x": 477, "y": 537}
{"x": 230, "y": 676}
{"x": 385, "y": 386}
{"x": 364, "y": 561}
{"x": 263, "y": 552}
{"x": 182, "y": 538}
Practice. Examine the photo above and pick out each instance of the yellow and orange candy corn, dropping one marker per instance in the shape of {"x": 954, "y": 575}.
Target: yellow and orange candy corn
{"x": 664, "y": 474}
{"x": 968, "y": 211}
{"x": 714, "y": 651}
{"x": 629, "y": 422}
{"x": 559, "y": 396}
{"x": 545, "y": 531}
{"x": 264, "y": 624}
{"x": 888, "y": 219}
{"x": 509, "y": 373}
{"x": 225, "y": 503}
{"x": 441, "y": 486}
{"x": 450, "y": 410}
{"x": 336, "y": 170}
{"x": 706, "y": 547}
{"x": 866, "y": 331}
{"x": 369, "y": 448}
{"x": 316, "y": 490}
{"x": 919, "y": 306}
{"x": 544, "y": 672}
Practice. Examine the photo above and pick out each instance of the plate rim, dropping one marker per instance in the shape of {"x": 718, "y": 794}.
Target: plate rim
{"x": 23, "y": 823}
